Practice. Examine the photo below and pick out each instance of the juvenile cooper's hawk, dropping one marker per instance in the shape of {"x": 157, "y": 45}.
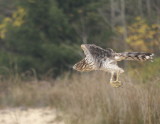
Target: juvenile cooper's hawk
{"x": 98, "y": 58}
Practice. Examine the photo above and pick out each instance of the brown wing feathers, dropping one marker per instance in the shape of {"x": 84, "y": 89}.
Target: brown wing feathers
{"x": 83, "y": 65}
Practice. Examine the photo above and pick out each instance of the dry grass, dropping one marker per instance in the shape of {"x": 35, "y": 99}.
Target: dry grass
{"x": 88, "y": 99}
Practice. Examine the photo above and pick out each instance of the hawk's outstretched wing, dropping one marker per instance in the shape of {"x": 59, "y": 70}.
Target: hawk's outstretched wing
{"x": 83, "y": 65}
{"x": 94, "y": 51}
{"x": 95, "y": 58}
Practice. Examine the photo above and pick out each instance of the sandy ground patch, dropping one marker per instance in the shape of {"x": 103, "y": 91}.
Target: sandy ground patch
{"x": 30, "y": 116}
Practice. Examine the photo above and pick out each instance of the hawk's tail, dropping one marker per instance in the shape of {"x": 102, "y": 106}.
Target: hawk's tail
{"x": 137, "y": 56}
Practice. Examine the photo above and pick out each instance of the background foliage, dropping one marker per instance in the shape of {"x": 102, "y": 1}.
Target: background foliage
{"x": 44, "y": 36}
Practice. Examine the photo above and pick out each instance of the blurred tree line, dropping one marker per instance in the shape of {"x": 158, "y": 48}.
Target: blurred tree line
{"x": 45, "y": 35}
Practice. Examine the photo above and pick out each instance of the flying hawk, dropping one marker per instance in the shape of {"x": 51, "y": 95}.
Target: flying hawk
{"x": 98, "y": 58}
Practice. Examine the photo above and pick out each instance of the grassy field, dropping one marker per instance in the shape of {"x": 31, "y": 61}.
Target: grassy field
{"x": 88, "y": 98}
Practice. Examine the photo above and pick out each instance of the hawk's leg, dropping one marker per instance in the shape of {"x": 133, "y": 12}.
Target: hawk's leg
{"x": 115, "y": 82}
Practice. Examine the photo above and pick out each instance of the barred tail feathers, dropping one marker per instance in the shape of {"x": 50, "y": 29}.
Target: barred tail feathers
{"x": 137, "y": 56}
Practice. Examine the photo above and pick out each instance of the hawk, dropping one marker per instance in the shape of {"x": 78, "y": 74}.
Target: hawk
{"x": 106, "y": 60}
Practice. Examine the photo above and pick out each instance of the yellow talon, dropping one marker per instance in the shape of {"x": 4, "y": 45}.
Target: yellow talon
{"x": 116, "y": 84}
